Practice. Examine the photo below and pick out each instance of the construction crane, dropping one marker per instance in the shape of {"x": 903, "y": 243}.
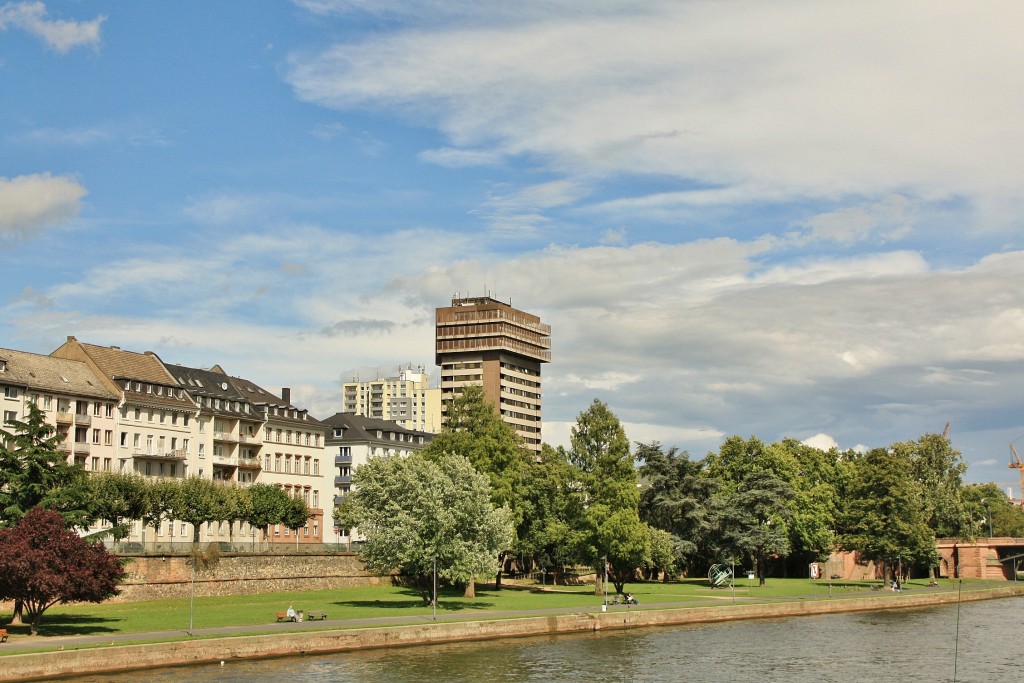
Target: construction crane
{"x": 1017, "y": 464}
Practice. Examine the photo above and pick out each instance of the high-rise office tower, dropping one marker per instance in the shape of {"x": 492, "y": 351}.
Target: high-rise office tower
{"x": 484, "y": 341}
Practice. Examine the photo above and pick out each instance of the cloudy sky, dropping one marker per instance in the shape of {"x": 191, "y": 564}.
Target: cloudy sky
{"x": 796, "y": 218}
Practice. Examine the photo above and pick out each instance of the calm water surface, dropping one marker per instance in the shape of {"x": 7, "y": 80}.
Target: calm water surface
{"x": 905, "y": 645}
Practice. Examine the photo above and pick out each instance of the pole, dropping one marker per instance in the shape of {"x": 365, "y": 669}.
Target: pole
{"x": 192, "y": 598}
{"x": 435, "y": 588}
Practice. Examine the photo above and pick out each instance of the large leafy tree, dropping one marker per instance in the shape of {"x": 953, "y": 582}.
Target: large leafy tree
{"x": 600, "y": 453}
{"x": 42, "y": 564}
{"x": 754, "y": 519}
{"x": 474, "y": 430}
{"x": 939, "y": 470}
{"x": 296, "y": 514}
{"x": 884, "y": 516}
{"x": 675, "y": 497}
{"x": 417, "y": 511}
{"x": 34, "y": 472}
{"x": 553, "y": 529}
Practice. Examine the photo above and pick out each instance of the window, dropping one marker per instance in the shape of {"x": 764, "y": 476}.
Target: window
{"x": 96, "y": 408}
{"x": 307, "y": 438}
{"x": 202, "y": 450}
{"x": 106, "y": 464}
{"x": 108, "y": 437}
{"x": 95, "y": 437}
{"x": 266, "y": 464}
{"x": 10, "y": 392}
{"x": 95, "y": 464}
{"x": 137, "y": 441}
{"x": 316, "y": 468}
{"x": 46, "y": 402}
{"x": 277, "y": 462}
{"x": 184, "y": 445}
{"x": 184, "y": 420}
{"x": 138, "y": 413}
{"x": 149, "y": 415}
{"x": 316, "y": 499}
{"x": 305, "y": 467}
{"x": 266, "y": 434}
{"x": 10, "y": 416}
{"x": 124, "y": 439}
{"x": 338, "y": 431}
{"x": 163, "y": 416}
{"x": 110, "y": 410}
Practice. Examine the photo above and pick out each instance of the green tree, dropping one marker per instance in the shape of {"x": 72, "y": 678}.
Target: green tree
{"x": 199, "y": 501}
{"x": 474, "y": 430}
{"x": 675, "y": 497}
{"x": 118, "y": 499}
{"x": 883, "y": 516}
{"x": 939, "y": 470}
{"x": 600, "y": 454}
{"x": 237, "y": 507}
{"x": 296, "y": 514}
{"x": 269, "y": 506}
{"x": 987, "y": 506}
{"x": 416, "y": 511}
{"x": 34, "y": 472}
{"x": 159, "y": 499}
{"x": 754, "y": 519}
{"x": 554, "y": 527}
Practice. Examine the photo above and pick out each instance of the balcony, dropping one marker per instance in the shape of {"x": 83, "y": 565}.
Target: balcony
{"x": 343, "y": 459}
{"x": 83, "y": 420}
{"x": 246, "y": 439}
{"x": 81, "y": 447}
{"x": 157, "y": 454}
{"x": 225, "y": 436}
{"x": 65, "y": 418}
{"x": 250, "y": 463}
{"x": 343, "y": 479}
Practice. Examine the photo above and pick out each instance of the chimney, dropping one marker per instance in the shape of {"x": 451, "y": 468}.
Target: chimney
{"x": 286, "y": 395}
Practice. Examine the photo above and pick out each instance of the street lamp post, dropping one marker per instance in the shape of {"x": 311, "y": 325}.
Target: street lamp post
{"x": 435, "y": 588}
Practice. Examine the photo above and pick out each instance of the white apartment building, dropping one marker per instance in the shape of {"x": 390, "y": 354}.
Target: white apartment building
{"x": 406, "y": 399}
{"x": 353, "y": 439}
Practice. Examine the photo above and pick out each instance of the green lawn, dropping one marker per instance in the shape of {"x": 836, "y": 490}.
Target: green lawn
{"x": 387, "y": 601}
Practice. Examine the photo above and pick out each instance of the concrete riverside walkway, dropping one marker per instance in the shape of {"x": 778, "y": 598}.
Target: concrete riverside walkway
{"x": 720, "y": 597}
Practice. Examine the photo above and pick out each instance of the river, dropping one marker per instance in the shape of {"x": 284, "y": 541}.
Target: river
{"x": 922, "y": 644}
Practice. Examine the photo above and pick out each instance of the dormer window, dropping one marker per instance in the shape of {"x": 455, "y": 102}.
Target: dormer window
{"x": 339, "y": 432}
{"x": 380, "y": 434}
{"x": 3, "y": 365}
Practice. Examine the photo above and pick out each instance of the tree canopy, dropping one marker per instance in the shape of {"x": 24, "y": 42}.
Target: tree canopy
{"x": 42, "y": 563}
{"x": 417, "y": 511}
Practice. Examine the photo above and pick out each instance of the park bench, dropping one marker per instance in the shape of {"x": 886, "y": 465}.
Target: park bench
{"x": 3, "y": 635}
{"x": 316, "y": 615}
{"x": 283, "y": 616}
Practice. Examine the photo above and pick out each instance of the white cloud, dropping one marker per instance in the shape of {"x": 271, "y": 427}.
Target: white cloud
{"x": 60, "y": 34}
{"x": 30, "y": 203}
{"x": 752, "y": 99}
{"x": 822, "y": 442}
{"x": 459, "y": 158}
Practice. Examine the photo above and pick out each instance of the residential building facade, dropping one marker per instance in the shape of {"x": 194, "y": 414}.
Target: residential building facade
{"x": 351, "y": 440}
{"x": 73, "y": 399}
{"x": 406, "y": 399}
{"x": 486, "y": 342}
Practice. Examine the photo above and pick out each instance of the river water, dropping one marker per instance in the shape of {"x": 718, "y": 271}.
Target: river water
{"x": 981, "y": 642}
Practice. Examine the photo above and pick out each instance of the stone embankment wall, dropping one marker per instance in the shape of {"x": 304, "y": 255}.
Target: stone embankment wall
{"x": 168, "y": 576}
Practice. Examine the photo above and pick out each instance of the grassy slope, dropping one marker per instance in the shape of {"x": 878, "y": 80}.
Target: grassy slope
{"x": 384, "y": 602}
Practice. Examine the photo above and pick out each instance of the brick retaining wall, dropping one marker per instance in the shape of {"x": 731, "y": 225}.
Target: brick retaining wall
{"x": 167, "y": 576}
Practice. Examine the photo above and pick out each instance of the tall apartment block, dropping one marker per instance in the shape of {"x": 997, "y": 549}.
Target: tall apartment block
{"x": 407, "y": 399}
{"x": 486, "y": 342}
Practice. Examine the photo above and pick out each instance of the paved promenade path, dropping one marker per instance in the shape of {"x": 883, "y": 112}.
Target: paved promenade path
{"x": 718, "y": 597}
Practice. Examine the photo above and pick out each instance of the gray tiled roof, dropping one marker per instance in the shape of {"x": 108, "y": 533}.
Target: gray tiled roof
{"x": 358, "y": 428}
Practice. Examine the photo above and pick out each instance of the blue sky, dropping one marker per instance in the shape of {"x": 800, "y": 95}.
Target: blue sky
{"x": 776, "y": 219}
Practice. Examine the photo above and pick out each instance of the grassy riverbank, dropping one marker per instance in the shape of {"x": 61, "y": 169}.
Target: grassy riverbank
{"x": 380, "y": 603}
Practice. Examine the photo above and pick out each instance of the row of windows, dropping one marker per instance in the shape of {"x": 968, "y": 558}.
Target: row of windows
{"x": 161, "y": 415}
{"x": 285, "y": 436}
{"x": 289, "y": 464}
